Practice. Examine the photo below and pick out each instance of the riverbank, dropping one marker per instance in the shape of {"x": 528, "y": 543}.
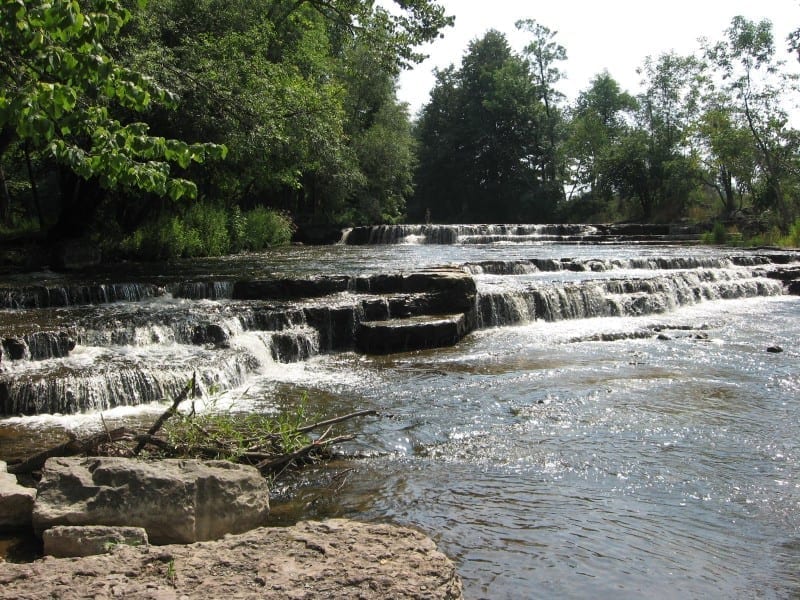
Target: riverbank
{"x": 331, "y": 559}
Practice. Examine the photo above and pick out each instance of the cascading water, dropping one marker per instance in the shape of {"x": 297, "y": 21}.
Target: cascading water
{"x": 615, "y": 403}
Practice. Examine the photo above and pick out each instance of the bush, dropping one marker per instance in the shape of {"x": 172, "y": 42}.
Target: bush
{"x": 793, "y": 238}
{"x": 718, "y": 235}
{"x": 264, "y": 228}
{"x": 207, "y": 230}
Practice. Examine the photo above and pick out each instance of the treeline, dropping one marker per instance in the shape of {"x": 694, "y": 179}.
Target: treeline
{"x": 118, "y": 116}
{"x": 190, "y": 127}
{"x": 709, "y": 136}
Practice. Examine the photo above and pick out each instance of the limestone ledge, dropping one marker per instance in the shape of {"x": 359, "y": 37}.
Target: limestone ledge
{"x": 330, "y": 559}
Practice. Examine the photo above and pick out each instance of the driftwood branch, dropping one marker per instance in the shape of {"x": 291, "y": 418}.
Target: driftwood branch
{"x": 361, "y": 413}
{"x": 71, "y": 447}
{"x": 190, "y": 387}
{"x": 281, "y": 462}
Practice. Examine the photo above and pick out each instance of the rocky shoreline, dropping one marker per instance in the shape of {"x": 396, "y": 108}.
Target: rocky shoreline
{"x": 99, "y": 516}
{"x": 331, "y": 559}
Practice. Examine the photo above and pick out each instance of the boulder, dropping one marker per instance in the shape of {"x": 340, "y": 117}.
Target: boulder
{"x": 332, "y": 559}
{"x": 66, "y": 541}
{"x": 175, "y": 501}
{"x": 16, "y": 501}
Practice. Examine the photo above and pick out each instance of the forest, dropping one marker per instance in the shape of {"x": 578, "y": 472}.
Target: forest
{"x": 202, "y": 127}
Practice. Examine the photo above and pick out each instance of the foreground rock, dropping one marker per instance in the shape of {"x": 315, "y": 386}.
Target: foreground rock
{"x": 333, "y": 559}
{"x": 16, "y": 501}
{"x": 175, "y": 501}
{"x": 65, "y": 541}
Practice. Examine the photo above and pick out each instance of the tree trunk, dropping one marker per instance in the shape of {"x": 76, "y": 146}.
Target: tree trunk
{"x": 5, "y": 199}
{"x": 34, "y": 190}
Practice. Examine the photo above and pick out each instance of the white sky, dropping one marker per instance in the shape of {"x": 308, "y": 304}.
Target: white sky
{"x": 598, "y": 34}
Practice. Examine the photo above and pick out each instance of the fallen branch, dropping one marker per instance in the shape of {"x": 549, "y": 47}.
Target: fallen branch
{"x": 190, "y": 387}
{"x": 268, "y": 444}
{"x": 361, "y": 413}
{"x": 285, "y": 460}
{"x": 72, "y": 447}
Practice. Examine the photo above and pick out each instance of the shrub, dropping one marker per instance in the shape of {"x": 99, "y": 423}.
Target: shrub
{"x": 264, "y": 228}
{"x": 718, "y": 235}
{"x": 207, "y": 230}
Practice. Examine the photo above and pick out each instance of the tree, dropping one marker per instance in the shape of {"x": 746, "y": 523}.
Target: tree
{"x": 544, "y": 53}
{"x": 302, "y": 92}
{"x": 653, "y": 166}
{"x": 757, "y": 88}
{"x": 599, "y": 120}
{"x": 480, "y": 142}
{"x": 59, "y": 87}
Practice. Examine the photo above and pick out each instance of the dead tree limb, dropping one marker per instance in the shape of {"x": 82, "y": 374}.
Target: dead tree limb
{"x": 284, "y": 460}
{"x": 361, "y": 413}
{"x": 72, "y": 447}
{"x": 190, "y": 387}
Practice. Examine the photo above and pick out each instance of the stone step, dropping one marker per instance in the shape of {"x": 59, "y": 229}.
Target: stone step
{"x": 412, "y": 333}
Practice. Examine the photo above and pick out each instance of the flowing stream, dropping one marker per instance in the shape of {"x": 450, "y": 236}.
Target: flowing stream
{"x": 613, "y": 428}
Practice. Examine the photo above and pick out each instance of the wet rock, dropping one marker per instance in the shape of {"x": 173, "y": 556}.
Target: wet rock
{"x": 211, "y": 333}
{"x": 335, "y": 324}
{"x": 793, "y": 288}
{"x": 16, "y": 501}
{"x": 785, "y": 274}
{"x": 415, "y": 333}
{"x": 774, "y": 349}
{"x": 663, "y": 337}
{"x": 289, "y": 346}
{"x": 176, "y": 501}
{"x": 290, "y": 289}
{"x": 332, "y": 559}
{"x": 15, "y": 349}
{"x": 65, "y": 541}
{"x": 49, "y": 344}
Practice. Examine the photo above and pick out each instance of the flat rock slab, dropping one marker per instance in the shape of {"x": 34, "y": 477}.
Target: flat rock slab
{"x": 413, "y": 333}
{"x": 64, "y": 541}
{"x": 331, "y": 559}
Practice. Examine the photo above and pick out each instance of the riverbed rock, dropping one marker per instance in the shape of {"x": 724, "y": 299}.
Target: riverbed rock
{"x": 774, "y": 349}
{"x": 290, "y": 289}
{"x": 331, "y": 559}
{"x": 175, "y": 501}
{"x": 64, "y": 541}
{"x": 413, "y": 333}
{"x": 16, "y": 501}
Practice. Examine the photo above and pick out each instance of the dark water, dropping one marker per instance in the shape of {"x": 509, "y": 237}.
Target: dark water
{"x": 546, "y": 462}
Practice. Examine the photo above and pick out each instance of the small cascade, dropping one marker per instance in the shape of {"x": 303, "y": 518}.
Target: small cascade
{"x": 76, "y": 295}
{"x": 467, "y": 234}
{"x": 617, "y": 297}
{"x": 202, "y": 290}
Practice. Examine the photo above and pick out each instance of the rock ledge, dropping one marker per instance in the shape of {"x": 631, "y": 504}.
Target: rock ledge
{"x": 331, "y": 559}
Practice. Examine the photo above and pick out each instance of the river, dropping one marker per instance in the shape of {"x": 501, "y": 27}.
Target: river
{"x": 636, "y": 440}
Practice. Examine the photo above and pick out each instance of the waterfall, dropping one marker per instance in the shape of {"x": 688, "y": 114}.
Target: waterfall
{"x": 88, "y": 347}
{"x": 485, "y": 234}
{"x": 558, "y": 301}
